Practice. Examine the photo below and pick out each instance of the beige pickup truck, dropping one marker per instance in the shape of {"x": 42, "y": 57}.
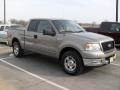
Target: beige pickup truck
{"x": 66, "y": 41}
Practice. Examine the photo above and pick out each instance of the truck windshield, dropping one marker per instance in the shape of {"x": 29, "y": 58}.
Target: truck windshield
{"x": 67, "y": 26}
{"x": 1, "y": 28}
{"x": 115, "y": 27}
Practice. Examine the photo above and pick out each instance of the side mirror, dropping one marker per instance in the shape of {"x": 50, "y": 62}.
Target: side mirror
{"x": 49, "y": 32}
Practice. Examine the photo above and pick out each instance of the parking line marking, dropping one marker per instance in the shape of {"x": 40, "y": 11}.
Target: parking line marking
{"x": 9, "y": 57}
{"x": 34, "y": 75}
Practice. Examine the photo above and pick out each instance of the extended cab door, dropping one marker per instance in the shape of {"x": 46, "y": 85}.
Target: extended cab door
{"x": 46, "y": 44}
{"x": 31, "y": 35}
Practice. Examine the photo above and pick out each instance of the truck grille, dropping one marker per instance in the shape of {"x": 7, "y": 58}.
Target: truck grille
{"x": 108, "y": 46}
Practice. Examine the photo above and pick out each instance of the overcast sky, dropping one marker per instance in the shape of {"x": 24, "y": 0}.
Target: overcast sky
{"x": 86, "y": 11}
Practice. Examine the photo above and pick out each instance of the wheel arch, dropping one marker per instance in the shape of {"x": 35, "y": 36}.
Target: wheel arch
{"x": 65, "y": 49}
{"x": 15, "y": 40}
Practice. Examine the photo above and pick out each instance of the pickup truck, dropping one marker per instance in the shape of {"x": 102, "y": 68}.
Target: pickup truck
{"x": 66, "y": 41}
{"x": 111, "y": 29}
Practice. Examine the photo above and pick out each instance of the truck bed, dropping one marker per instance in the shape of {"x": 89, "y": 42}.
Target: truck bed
{"x": 19, "y": 32}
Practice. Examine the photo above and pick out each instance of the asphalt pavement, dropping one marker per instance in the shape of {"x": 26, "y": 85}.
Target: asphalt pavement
{"x": 37, "y": 72}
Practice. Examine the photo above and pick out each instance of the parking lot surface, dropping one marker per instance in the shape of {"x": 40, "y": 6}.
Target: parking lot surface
{"x": 37, "y": 72}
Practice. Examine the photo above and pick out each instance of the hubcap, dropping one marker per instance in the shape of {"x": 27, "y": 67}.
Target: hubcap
{"x": 16, "y": 49}
{"x": 70, "y": 63}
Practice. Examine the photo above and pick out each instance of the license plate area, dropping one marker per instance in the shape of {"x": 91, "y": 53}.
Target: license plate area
{"x": 111, "y": 59}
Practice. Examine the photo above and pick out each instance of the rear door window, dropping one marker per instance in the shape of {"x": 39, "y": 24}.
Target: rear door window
{"x": 7, "y": 27}
{"x": 44, "y": 25}
{"x": 33, "y": 25}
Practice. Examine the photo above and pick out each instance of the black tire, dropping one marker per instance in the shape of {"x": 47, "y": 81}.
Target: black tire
{"x": 17, "y": 50}
{"x": 78, "y": 68}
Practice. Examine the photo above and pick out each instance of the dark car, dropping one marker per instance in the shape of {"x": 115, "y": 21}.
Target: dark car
{"x": 111, "y": 29}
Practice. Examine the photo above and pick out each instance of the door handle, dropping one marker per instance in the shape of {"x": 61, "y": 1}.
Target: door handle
{"x": 35, "y": 36}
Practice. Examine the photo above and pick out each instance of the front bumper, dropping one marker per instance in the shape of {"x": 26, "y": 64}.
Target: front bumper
{"x": 98, "y": 58}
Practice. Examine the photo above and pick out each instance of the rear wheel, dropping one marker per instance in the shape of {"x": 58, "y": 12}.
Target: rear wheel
{"x": 72, "y": 63}
{"x": 17, "y": 50}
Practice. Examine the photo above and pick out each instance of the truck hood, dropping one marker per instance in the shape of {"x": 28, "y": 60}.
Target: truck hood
{"x": 91, "y": 36}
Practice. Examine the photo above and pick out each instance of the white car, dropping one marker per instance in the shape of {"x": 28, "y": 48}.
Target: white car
{"x": 3, "y": 31}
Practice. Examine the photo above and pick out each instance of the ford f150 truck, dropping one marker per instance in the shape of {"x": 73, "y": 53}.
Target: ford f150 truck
{"x": 111, "y": 29}
{"x": 66, "y": 41}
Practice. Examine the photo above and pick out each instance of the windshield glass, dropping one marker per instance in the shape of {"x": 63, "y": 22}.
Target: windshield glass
{"x": 67, "y": 26}
{"x": 115, "y": 27}
{"x": 1, "y": 28}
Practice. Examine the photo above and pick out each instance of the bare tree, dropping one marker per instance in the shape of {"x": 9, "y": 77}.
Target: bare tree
{"x": 13, "y": 21}
{"x": 21, "y": 22}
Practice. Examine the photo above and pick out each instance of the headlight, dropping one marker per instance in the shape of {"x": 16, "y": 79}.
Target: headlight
{"x": 92, "y": 47}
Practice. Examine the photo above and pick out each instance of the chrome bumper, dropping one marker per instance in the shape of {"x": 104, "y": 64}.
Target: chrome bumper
{"x": 98, "y": 58}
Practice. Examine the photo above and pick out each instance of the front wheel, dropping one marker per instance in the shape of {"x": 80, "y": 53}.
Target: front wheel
{"x": 72, "y": 63}
{"x": 17, "y": 50}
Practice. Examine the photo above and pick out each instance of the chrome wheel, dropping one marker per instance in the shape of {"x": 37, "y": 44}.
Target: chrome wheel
{"x": 70, "y": 63}
{"x": 16, "y": 49}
